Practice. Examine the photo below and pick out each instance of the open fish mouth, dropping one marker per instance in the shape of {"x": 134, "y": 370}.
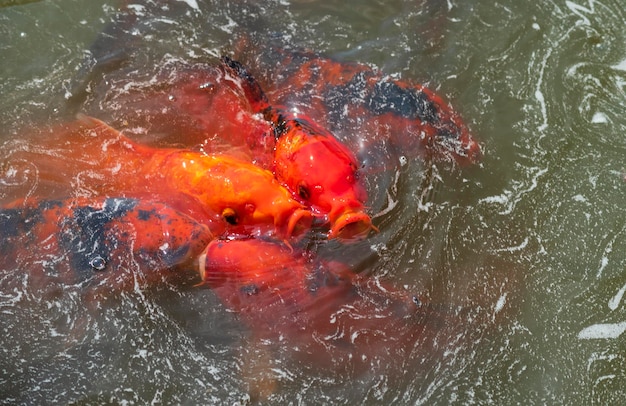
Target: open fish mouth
{"x": 352, "y": 227}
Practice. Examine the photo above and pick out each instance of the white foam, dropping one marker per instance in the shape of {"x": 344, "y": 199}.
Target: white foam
{"x": 192, "y": 3}
{"x": 581, "y": 11}
{"x": 500, "y": 303}
{"x": 137, "y": 8}
{"x": 514, "y": 248}
{"x": 230, "y": 26}
{"x": 603, "y": 331}
{"x": 615, "y": 300}
{"x": 603, "y": 263}
{"x": 620, "y": 66}
{"x": 501, "y": 199}
{"x": 599, "y": 118}
{"x": 544, "y": 110}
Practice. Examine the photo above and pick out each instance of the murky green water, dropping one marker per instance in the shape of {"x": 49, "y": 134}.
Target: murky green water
{"x": 532, "y": 239}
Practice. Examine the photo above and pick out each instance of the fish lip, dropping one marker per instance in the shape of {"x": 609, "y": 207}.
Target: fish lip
{"x": 300, "y": 221}
{"x": 351, "y": 227}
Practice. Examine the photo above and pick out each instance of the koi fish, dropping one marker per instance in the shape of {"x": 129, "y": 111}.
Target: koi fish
{"x": 311, "y": 162}
{"x": 328, "y": 313}
{"x": 102, "y": 161}
{"x": 360, "y": 103}
{"x": 87, "y": 240}
{"x": 182, "y": 105}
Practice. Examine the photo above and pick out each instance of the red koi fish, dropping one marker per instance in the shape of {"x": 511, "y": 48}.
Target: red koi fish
{"x": 311, "y": 162}
{"x": 360, "y": 103}
{"x": 182, "y": 105}
{"x": 90, "y": 240}
{"x": 330, "y": 315}
{"x": 102, "y": 161}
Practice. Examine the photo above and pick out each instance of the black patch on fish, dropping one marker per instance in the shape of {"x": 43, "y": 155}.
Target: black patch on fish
{"x": 11, "y": 222}
{"x": 337, "y": 98}
{"x": 388, "y": 97}
{"x": 278, "y": 121}
{"x": 384, "y": 97}
{"x": 15, "y": 223}
{"x": 146, "y": 215}
{"x": 85, "y": 236}
{"x": 309, "y": 127}
{"x": 283, "y": 124}
{"x": 18, "y": 224}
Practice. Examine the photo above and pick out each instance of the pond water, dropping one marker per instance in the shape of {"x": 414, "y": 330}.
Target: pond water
{"x": 530, "y": 242}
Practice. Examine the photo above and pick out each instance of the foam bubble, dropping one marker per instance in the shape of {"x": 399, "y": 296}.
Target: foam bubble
{"x": 603, "y": 331}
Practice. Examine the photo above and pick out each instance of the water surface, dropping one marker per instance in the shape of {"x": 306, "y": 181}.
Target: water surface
{"x": 530, "y": 242}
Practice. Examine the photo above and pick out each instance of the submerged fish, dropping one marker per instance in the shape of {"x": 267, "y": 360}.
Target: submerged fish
{"x": 360, "y": 103}
{"x": 279, "y": 116}
{"x": 90, "y": 241}
{"x": 97, "y": 159}
{"x": 322, "y": 313}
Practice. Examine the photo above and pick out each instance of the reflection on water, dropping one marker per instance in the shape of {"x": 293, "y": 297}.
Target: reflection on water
{"x": 529, "y": 243}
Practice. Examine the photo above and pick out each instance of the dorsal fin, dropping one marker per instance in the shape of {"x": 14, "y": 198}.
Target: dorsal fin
{"x": 255, "y": 95}
{"x": 248, "y": 84}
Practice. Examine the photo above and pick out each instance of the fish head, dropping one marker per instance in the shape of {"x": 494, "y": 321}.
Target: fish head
{"x": 248, "y": 197}
{"x": 324, "y": 174}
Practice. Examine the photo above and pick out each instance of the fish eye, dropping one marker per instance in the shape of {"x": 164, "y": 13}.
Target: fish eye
{"x": 303, "y": 191}
{"x": 230, "y": 216}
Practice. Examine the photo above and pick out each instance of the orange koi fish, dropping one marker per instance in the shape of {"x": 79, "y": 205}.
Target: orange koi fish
{"x": 99, "y": 160}
{"x": 311, "y": 162}
{"x": 87, "y": 240}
